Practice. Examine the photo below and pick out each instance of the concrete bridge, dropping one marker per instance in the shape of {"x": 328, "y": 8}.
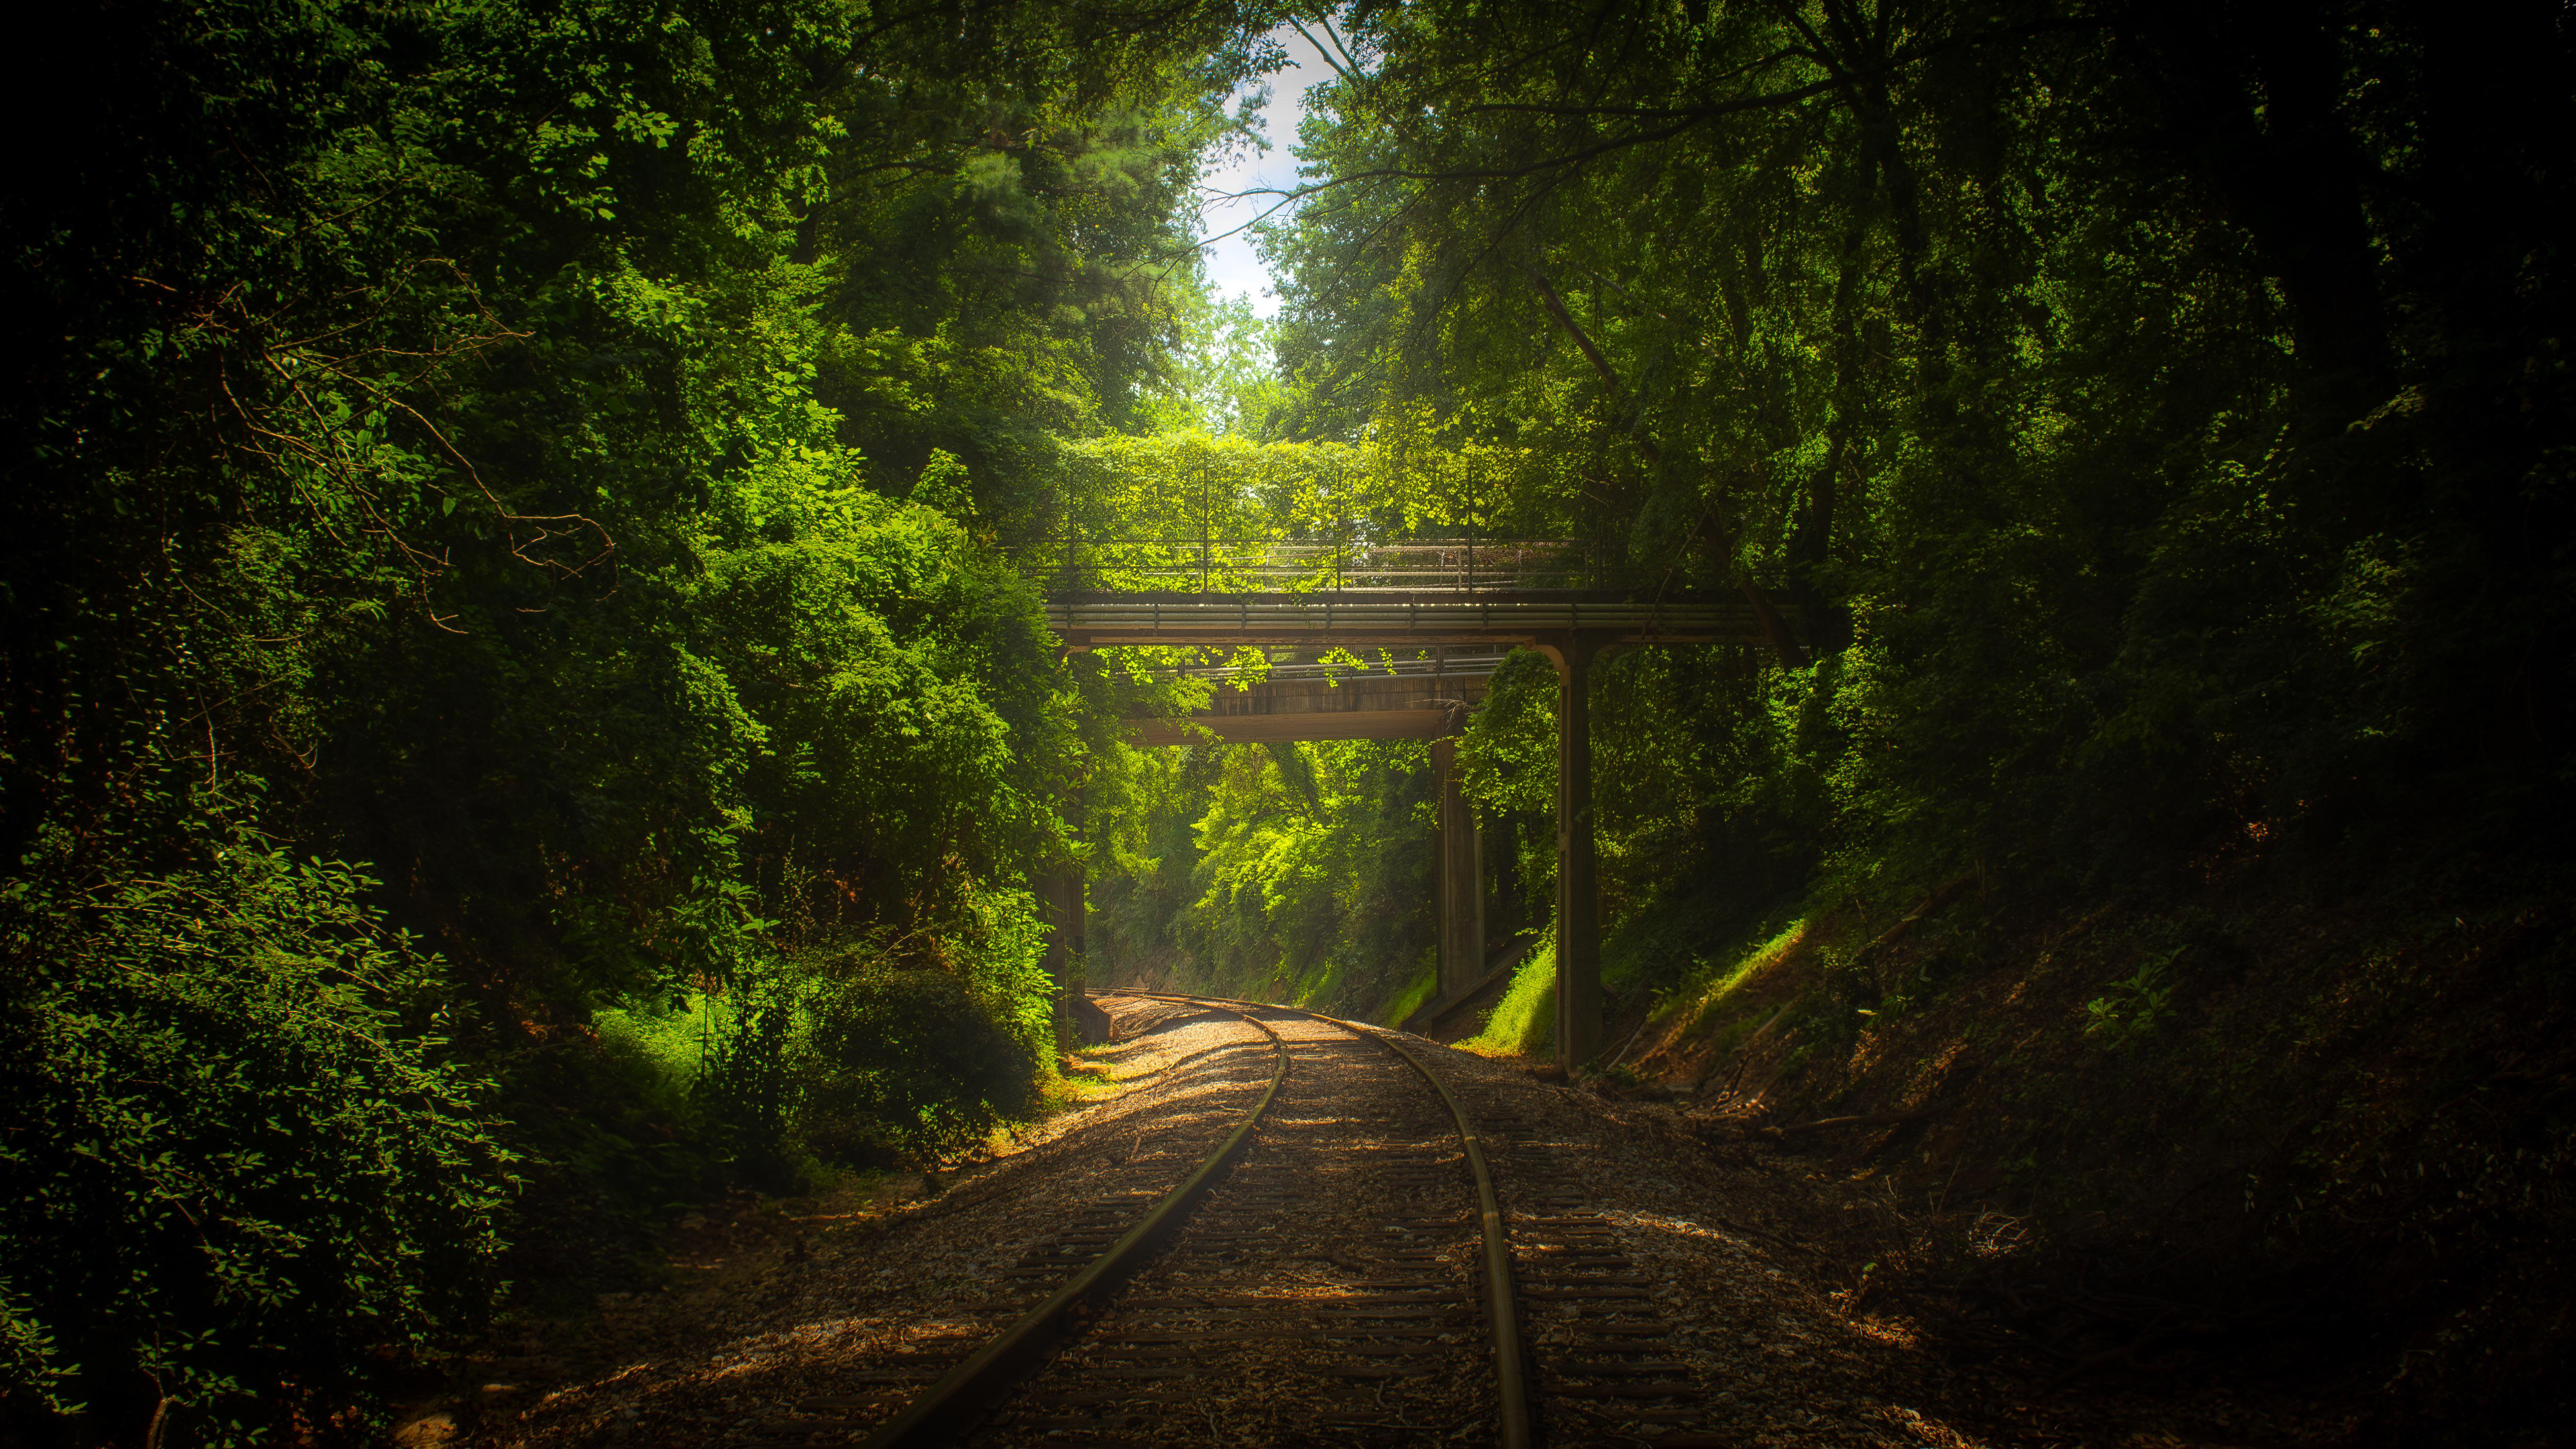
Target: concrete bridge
{"x": 1441, "y": 605}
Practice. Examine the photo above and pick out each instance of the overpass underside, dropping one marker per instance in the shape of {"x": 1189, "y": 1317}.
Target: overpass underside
{"x": 1354, "y": 706}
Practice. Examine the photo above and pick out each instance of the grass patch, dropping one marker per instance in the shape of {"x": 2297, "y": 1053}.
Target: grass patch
{"x": 1723, "y": 1000}
{"x": 669, "y": 1037}
{"x": 1705, "y": 1001}
{"x": 1086, "y": 1083}
{"x": 1416, "y": 990}
{"x": 1523, "y": 1023}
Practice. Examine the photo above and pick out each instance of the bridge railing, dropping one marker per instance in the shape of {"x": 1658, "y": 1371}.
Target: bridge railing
{"x": 1443, "y": 664}
{"x": 1268, "y": 566}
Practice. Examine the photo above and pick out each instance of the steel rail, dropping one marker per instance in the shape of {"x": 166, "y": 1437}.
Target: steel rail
{"x": 967, "y": 1392}
{"x": 1502, "y": 1298}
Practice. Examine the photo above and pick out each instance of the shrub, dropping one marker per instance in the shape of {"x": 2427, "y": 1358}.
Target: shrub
{"x": 907, "y": 1060}
{"x": 239, "y": 1169}
{"x": 881, "y": 1049}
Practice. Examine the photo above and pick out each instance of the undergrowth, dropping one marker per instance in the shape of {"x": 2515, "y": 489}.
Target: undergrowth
{"x": 1523, "y": 1022}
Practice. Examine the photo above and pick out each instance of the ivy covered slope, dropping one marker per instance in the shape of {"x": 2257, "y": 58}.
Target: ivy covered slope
{"x": 2157, "y": 422}
{"x": 556, "y": 460}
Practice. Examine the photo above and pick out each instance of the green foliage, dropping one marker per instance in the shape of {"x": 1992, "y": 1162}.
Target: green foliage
{"x": 1706, "y": 990}
{"x": 2151, "y": 427}
{"x": 585, "y": 460}
{"x": 1224, "y": 379}
{"x": 241, "y": 1158}
{"x": 2135, "y": 1007}
{"x": 1711, "y": 802}
{"x": 570, "y": 454}
{"x": 1175, "y": 489}
{"x": 1409, "y": 994}
{"x": 2111, "y": 435}
{"x": 1508, "y": 758}
{"x": 1296, "y": 872}
{"x": 909, "y": 1058}
{"x": 881, "y": 1049}
{"x": 666, "y": 1038}
{"x": 1314, "y": 878}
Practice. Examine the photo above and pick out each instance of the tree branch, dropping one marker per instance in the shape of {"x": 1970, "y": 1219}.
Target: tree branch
{"x": 1571, "y": 158}
{"x": 1565, "y": 319}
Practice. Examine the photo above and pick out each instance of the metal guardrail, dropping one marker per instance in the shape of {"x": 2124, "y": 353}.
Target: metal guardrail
{"x": 1445, "y": 666}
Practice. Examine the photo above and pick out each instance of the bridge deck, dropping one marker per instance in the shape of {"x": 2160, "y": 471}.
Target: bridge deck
{"x": 1411, "y": 618}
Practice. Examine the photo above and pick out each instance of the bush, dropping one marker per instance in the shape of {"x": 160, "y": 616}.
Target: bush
{"x": 911, "y": 1062}
{"x": 239, "y": 1169}
{"x": 881, "y": 1049}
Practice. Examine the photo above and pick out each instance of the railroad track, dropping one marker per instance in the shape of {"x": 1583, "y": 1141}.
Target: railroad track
{"x": 1337, "y": 1267}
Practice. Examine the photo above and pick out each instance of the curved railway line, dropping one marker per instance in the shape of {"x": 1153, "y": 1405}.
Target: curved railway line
{"x": 1276, "y": 1233}
{"x": 1338, "y": 1266}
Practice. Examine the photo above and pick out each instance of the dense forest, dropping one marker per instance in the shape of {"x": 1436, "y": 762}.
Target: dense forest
{"x": 525, "y": 702}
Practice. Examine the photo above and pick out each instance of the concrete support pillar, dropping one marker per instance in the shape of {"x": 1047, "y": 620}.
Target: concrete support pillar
{"x": 1460, "y": 884}
{"x": 1061, "y": 906}
{"x": 1578, "y": 905}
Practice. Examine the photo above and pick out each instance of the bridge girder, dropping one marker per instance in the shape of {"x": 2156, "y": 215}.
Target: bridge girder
{"x": 1395, "y": 619}
{"x": 1356, "y": 707}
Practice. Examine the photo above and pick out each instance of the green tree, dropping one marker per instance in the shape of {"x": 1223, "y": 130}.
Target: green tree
{"x": 561, "y": 457}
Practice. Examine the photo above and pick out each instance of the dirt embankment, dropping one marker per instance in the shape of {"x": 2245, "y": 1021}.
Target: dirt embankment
{"x": 2229, "y": 1138}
